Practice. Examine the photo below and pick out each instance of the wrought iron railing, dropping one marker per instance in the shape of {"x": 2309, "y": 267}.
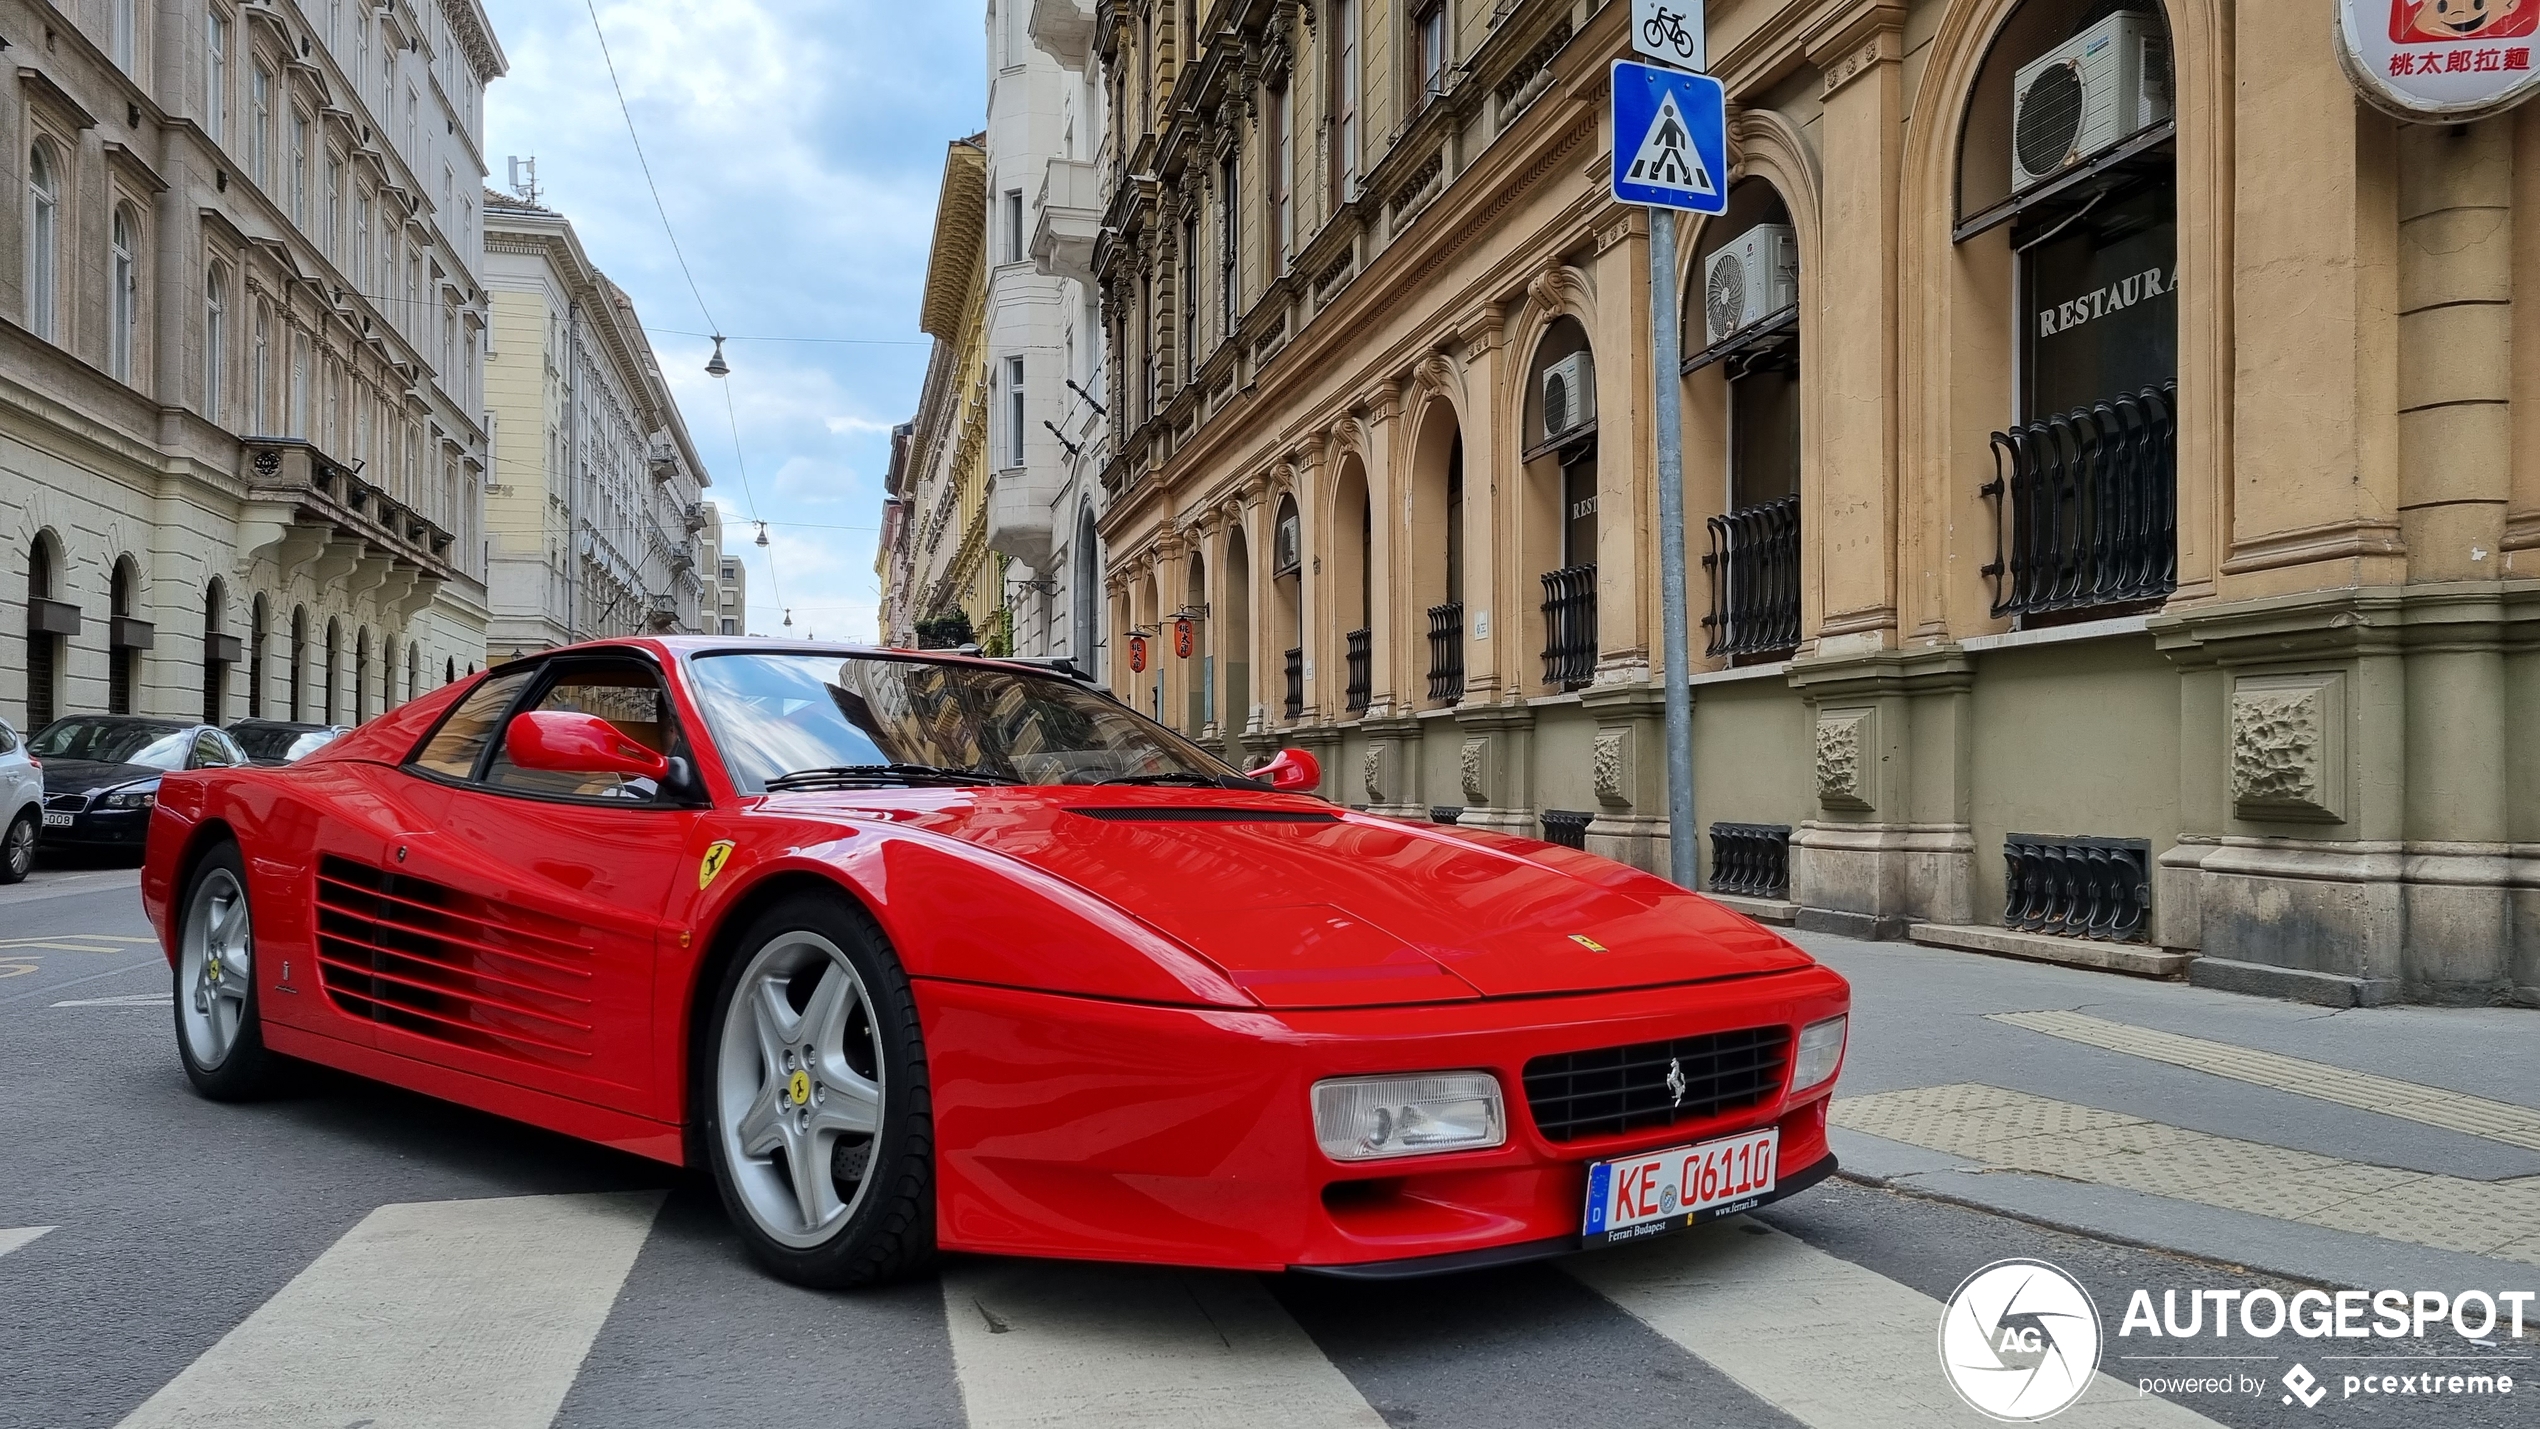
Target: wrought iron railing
{"x": 1446, "y": 651}
{"x": 1362, "y": 668}
{"x": 1445, "y": 813}
{"x": 1296, "y": 683}
{"x": 1566, "y": 827}
{"x": 1751, "y": 860}
{"x": 2077, "y": 887}
{"x": 1754, "y": 571}
{"x": 2086, "y": 506}
{"x": 1569, "y": 626}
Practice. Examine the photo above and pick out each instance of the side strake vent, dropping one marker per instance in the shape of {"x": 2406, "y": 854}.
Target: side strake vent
{"x": 427, "y": 959}
{"x": 1168, "y": 814}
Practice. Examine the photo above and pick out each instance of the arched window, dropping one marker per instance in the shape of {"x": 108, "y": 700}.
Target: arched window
{"x": 450, "y": 671}
{"x": 43, "y": 242}
{"x": 260, "y": 374}
{"x": 334, "y": 656}
{"x": 1085, "y": 594}
{"x": 215, "y": 336}
{"x": 299, "y": 659}
{"x": 1436, "y": 548}
{"x": 125, "y": 640}
{"x": 1234, "y": 642}
{"x": 258, "y": 621}
{"x": 1287, "y": 577}
{"x": 1558, "y": 525}
{"x": 1353, "y": 580}
{"x": 361, "y": 674}
{"x": 123, "y": 293}
{"x": 1203, "y": 700}
{"x": 1742, "y": 391}
{"x": 219, "y": 649}
{"x": 2067, "y": 182}
{"x": 43, "y": 632}
{"x": 414, "y": 670}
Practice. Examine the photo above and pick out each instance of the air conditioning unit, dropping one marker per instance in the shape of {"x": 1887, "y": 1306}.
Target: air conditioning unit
{"x": 1569, "y": 395}
{"x": 1750, "y": 278}
{"x": 2081, "y": 97}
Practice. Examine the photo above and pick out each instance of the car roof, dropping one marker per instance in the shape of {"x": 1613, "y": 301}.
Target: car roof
{"x": 676, "y": 647}
{"x": 298, "y": 726}
{"x": 145, "y": 721}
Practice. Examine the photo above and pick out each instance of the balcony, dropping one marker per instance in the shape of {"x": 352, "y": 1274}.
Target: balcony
{"x": 1362, "y": 668}
{"x": 1446, "y": 652}
{"x": 1070, "y": 205}
{"x": 2086, "y": 507}
{"x": 1754, "y": 573}
{"x": 1296, "y": 684}
{"x": 316, "y": 509}
{"x": 1751, "y": 860}
{"x": 1064, "y": 30}
{"x": 1569, "y": 626}
{"x": 2077, "y": 887}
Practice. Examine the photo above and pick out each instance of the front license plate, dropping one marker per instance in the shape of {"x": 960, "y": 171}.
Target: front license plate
{"x": 1663, "y": 1191}
{"x": 56, "y": 821}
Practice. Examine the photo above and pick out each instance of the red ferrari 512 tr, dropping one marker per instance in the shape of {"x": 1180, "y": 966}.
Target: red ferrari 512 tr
{"x": 918, "y": 951}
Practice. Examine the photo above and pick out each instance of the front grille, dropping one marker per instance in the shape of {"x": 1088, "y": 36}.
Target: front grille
{"x": 67, "y": 803}
{"x": 427, "y": 959}
{"x": 1612, "y": 1090}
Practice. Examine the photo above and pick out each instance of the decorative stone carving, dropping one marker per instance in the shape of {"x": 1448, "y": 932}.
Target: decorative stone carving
{"x": 1846, "y": 751}
{"x": 1435, "y": 374}
{"x": 1474, "y": 765}
{"x": 2288, "y": 747}
{"x": 1613, "y": 779}
{"x": 1371, "y": 769}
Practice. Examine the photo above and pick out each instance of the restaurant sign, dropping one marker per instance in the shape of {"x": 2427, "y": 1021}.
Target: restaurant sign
{"x": 2447, "y": 60}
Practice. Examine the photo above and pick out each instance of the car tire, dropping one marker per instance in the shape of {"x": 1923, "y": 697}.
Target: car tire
{"x": 810, "y": 1045}
{"x": 17, "y": 849}
{"x": 219, "y": 1011}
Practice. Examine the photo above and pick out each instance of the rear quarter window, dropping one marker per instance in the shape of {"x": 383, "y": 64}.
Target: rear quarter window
{"x": 454, "y": 748}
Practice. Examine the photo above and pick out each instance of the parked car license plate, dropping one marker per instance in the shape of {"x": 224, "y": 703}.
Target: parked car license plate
{"x": 1660, "y": 1191}
{"x": 54, "y": 820}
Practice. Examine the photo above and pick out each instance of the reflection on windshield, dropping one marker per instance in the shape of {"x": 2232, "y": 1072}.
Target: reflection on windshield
{"x": 773, "y": 715}
{"x": 114, "y": 742}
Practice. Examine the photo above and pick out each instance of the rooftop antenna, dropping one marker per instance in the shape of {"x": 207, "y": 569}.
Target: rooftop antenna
{"x": 527, "y": 187}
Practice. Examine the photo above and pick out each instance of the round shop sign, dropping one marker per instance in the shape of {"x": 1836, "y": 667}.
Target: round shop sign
{"x": 2448, "y": 60}
{"x": 2019, "y": 1341}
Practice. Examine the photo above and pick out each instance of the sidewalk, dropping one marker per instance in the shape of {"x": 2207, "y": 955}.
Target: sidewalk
{"x": 2357, "y": 1148}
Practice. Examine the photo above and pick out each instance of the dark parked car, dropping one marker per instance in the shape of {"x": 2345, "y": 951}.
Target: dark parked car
{"x": 101, "y": 773}
{"x": 283, "y": 741}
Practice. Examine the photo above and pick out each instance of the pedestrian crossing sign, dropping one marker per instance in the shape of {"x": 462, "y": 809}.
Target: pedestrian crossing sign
{"x": 1671, "y": 147}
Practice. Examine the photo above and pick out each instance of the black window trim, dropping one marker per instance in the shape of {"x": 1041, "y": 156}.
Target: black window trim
{"x": 543, "y": 672}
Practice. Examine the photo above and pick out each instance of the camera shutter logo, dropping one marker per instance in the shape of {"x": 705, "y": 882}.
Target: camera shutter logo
{"x": 2020, "y": 1341}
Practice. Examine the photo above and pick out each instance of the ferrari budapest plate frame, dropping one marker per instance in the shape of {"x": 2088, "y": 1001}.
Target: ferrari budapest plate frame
{"x": 922, "y": 951}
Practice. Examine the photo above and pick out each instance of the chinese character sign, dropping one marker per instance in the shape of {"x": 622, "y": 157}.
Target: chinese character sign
{"x": 2446, "y": 59}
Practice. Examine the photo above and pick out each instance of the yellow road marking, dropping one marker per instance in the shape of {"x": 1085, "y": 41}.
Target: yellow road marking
{"x": 12, "y": 967}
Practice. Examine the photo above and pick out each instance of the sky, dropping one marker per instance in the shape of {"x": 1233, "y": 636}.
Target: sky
{"x": 798, "y": 146}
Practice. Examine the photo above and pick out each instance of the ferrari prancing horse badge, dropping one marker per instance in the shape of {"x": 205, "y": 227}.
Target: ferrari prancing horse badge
{"x": 718, "y": 853}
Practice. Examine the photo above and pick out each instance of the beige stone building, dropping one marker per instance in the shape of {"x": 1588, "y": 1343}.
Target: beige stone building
{"x": 596, "y": 517}
{"x": 242, "y": 449}
{"x": 2109, "y": 458}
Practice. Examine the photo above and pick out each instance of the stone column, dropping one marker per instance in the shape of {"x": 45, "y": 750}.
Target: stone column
{"x": 1312, "y": 600}
{"x": 1626, "y": 455}
{"x": 1389, "y": 573}
{"x": 1630, "y": 756}
{"x": 1892, "y": 842}
{"x": 1495, "y": 767}
{"x": 1486, "y": 523}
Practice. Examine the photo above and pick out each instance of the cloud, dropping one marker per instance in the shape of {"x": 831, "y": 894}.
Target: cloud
{"x": 798, "y": 146}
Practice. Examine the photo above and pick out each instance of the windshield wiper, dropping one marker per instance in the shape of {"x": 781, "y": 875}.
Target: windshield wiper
{"x": 1184, "y": 776}
{"x": 867, "y": 775}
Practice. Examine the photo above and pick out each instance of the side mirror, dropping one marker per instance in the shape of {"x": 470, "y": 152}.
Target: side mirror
{"x": 568, "y": 742}
{"x": 1291, "y": 771}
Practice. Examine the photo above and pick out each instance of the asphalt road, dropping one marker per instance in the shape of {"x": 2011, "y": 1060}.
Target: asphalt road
{"x": 348, "y": 1254}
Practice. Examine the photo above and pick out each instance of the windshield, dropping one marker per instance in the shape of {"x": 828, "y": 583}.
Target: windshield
{"x": 775, "y": 715}
{"x": 280, "y": 744}
{"x": 114, "y": 741}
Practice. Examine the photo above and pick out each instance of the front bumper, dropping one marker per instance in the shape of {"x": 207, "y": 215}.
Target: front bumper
{"x": 100, "y": 828}
{"x": 1079, "y": 1128}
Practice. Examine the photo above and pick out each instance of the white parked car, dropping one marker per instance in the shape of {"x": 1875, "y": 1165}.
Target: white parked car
{"x": 21, "y": 804}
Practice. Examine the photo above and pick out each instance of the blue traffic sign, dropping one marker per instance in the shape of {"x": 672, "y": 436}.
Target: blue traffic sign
{"x": 1671, "y": 144}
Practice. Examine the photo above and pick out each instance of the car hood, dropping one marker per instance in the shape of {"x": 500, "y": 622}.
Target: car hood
{"x": 1304, "y": 905}
{"x": 83, "y": 776}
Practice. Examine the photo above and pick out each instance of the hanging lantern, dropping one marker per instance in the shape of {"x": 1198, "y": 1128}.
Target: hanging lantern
{"x": 715, "y": 365}
{"x": 789, "y": 619}
{"x": 762, "y": 534}
{"x": 1138, "y": 654}
{"x": 1182, "y": 636}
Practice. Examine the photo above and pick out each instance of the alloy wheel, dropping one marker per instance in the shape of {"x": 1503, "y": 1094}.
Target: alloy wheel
{"x": 215, "y": 967}
{"x": 19, "y": 852}
{"x": 799, "y": 1088}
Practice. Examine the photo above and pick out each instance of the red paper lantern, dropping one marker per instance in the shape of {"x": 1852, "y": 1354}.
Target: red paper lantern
{"x": 1138, "y": 653}
{"x": 1182, "y": 636}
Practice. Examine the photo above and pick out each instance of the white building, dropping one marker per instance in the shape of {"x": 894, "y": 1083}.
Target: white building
{"x": 596, "y": 516}
{"x": 728, "y": 585}
{"x": 241, "y": 441}
{"x": 1046, "y": 177}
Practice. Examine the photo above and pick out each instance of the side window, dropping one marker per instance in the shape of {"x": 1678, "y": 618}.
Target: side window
{"x": 208, "y": 753}
{"x": 629, "y": 696}
{"x": 8, "y": 738}
{"x": 454, "y": 748}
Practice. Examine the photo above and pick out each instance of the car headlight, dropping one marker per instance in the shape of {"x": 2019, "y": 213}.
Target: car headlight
{"x": 130, "y": 799}
{"x": 1820, "y": 1052}
{"x": 1371, "y": 1118}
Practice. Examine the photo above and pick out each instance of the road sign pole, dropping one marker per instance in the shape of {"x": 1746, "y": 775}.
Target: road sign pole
{"x": 1683, "y": 857}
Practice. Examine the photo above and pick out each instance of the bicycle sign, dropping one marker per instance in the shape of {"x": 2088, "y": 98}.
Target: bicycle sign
{"x": 1670, "y": 32}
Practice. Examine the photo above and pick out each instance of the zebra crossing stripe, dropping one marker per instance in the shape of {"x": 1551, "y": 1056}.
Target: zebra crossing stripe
{"x": 12, "y": 1239}
{"x": 1825, "y": 1341}
{"x": 1044, "y": 1343}
{"x": 432, "y": 1315}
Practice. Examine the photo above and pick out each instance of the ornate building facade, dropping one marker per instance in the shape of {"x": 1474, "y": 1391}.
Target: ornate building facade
{"x": 242, "y": 448}
{"x": 596, "y": 517}
{"x": 2119, "y": 546}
